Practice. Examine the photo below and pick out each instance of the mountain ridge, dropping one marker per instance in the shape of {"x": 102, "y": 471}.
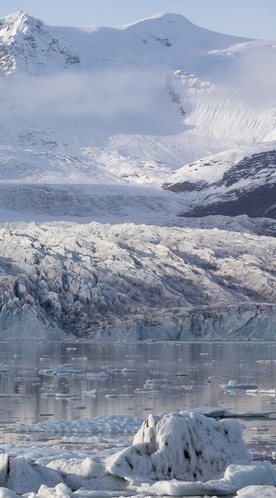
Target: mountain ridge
{"x": 127, "y": 105}
{"x": 156, "y": 33}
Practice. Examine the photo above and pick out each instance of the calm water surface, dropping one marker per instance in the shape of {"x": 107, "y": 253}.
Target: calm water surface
{"x": 142, "y": 378}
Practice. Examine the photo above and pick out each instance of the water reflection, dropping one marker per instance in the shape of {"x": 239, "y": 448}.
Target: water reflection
{"x": 62, "y": 381}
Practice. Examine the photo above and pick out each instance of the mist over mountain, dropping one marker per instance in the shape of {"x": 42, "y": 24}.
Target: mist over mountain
{"x": 159, "y": 123}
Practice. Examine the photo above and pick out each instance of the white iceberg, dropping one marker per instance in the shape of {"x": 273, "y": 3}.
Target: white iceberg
{"x": 233, "y": 384}
{"x": 186, "y": 453}
{"x": 258, "y": 492}
{"x": 181, "y": 445}
{"x": 22, "y": 476}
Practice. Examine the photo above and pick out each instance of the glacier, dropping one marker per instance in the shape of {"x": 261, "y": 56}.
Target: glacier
{"x": 104, "y": 282}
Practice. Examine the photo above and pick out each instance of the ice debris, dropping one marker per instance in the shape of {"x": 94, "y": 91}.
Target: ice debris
{"x": 177, "y": 454}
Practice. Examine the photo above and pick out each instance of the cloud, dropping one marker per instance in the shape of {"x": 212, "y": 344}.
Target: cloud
{"x": 85, "y": 94}
{"x": 128, "y": 101}
{"x": 256, "y": 76}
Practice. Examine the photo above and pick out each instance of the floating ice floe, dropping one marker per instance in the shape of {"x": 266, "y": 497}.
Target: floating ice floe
{"x": 66, "y": 370}
{"x": 22, "y": 476}
{"x": 79, "y": 358}
{"x": 262, "y": 392}
{"x": 156, "y": 382}
{"x": 4, "y": 368}
{"x": 221, "y": 413}
{"x": 66, "y": 396}
{"x": 97, "y": 375}
{"x": 181, "y": 445}
{"x": 266, "y": 362}
{"x": 233, "y": 384}
{"x": 126, "y": 371}
{"x": 92, "y": 392}
{"x": 123, "y": 396}
{"x": 111, "y": 425}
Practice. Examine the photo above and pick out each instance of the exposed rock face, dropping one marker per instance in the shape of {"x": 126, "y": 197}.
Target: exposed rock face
{"x": 245, "y": 187}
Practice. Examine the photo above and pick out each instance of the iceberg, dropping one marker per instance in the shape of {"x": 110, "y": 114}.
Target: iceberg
{"x": 187, "y": 453}
{"x": 233, "y": 384}
{"x": 181, "y": 445}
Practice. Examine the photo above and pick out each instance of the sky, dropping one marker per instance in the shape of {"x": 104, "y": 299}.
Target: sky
{"x": 248, "y": 18}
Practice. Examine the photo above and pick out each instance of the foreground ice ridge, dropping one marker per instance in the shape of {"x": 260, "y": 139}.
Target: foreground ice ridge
{"x": 177, "y": 454}
{"x": 129, "y": 281}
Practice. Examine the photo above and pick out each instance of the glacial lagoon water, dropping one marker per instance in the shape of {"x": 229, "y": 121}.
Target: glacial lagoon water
{"x": 42, "y": 382}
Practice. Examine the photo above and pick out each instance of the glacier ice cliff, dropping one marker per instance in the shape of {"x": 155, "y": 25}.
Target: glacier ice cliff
{"x": 137, "y": 282}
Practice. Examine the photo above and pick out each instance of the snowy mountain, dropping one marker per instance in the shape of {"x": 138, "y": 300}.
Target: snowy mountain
{"x": 230, "y": 183}
{"x": 144, "y": 127}
{"x": 28, "y": 45}
{"x": 124, "y": 106}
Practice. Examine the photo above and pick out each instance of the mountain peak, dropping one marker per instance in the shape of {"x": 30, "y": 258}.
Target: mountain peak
{"x": 27, "y": 44}
{"x": 165, "y": 18}
{"x": 171, "y": 18}
{"x": 19, "y": 22}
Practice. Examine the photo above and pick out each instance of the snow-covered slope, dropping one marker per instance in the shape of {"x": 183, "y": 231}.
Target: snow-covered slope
{"x": 230, "y": 183}
{"x": 28, "y": 45}
{"x": 129, "y": 104}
